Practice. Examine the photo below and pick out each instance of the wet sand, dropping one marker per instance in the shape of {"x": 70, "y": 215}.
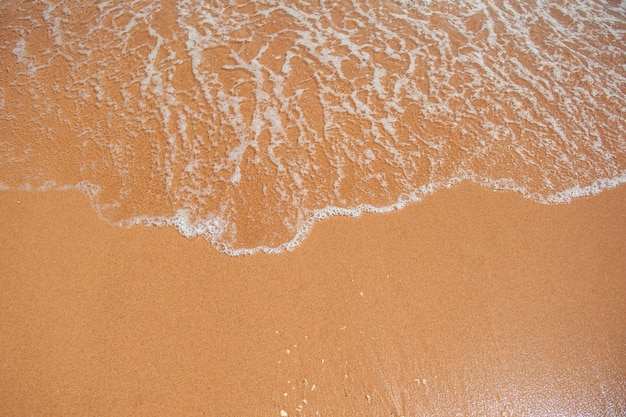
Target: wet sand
{"x": 469, "y": 303}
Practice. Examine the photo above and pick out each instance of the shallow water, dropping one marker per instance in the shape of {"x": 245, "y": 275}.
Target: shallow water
{"x": 247, "y": 122}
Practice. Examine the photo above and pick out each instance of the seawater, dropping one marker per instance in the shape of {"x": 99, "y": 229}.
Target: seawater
{"x": 245, "y": 122}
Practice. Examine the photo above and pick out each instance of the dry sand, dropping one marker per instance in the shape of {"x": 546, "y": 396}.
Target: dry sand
{"x": 469, "y": 303}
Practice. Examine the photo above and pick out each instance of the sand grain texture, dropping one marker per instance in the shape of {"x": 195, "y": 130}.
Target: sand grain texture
{"x": 471, "y": 302}
{"x": 468, "y": 303}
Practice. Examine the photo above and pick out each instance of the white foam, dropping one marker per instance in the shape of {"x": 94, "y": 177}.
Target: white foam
{"x": 521, "y": 102}
{"x": 20, "y": 51}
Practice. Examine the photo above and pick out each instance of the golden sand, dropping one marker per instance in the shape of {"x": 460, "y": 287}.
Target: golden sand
{"x": 471, "y": 302}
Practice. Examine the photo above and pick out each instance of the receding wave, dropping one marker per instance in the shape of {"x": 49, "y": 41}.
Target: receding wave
{"x": 245, "y": 122}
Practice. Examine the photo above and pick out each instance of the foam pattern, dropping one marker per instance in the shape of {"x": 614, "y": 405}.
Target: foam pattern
{"x": 246, "y": 122}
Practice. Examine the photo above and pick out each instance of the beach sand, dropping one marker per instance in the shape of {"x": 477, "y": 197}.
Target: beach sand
{"x": 470, "y": 302}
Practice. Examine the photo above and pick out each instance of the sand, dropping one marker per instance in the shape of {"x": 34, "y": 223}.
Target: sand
{"x": 471, "y": 302}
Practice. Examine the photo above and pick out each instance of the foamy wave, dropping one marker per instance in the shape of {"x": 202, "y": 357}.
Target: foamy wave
{"x": 213, "y": 229}
{"x": 247, "y": 122}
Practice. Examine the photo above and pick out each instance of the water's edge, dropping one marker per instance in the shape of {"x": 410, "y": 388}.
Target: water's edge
{"x": 210, "y": 229}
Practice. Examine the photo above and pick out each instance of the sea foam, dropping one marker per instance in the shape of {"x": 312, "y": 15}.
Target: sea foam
{"x": 245, "y": 123}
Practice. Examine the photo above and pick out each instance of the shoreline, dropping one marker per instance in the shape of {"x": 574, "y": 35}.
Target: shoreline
{"x": 180, "y": 220}
{"x": 469, "y": 301}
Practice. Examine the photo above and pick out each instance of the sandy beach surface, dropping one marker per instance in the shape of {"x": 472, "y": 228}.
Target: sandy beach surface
{"x": 245, "y": 121}
{"x": 469, "y": 303}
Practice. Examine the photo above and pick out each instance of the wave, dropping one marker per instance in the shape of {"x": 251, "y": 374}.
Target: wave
{"x": 247, "y": 122}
